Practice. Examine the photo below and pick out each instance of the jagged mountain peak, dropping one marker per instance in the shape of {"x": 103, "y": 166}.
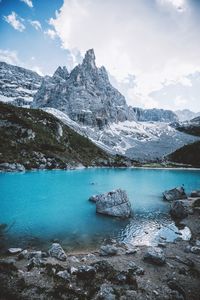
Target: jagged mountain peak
{"x": 87, "y": 96}
{"x": 89, "y": 59}
{"x": 61, "y": 72}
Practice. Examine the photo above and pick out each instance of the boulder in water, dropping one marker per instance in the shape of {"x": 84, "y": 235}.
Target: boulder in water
{"x": 175, "y": 194}
{"x": 115, "y": 204}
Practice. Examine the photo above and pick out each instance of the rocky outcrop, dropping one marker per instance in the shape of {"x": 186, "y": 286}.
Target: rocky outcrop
{"x": 57, "y": 251}
{"x": 12, "y": 167}
{"x": 115, "y": 204}
{"x": 155, "y": 256}
{"x": 18, "y": 85}
{"x": 174, "y": 194}
{"x": 85, "y": 95}
{"x": 178, "y": 210}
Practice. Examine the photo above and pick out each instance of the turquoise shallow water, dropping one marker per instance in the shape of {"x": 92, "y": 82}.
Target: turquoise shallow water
{"x": 44, "y": 205}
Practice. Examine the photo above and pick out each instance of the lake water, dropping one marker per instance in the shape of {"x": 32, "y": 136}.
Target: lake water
{"x": 40, "y": 206}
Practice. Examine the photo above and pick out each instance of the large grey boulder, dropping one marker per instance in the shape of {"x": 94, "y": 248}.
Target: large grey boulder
{"x": 175, "y": 194}
{"x": 115, "y": 203}
{"x": 178, "y": 210}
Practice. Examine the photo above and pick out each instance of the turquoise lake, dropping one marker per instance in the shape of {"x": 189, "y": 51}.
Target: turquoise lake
{"x": 40, "y": 206}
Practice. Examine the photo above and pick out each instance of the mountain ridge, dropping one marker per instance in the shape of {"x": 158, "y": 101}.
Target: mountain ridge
{"x": 38, "y": 140}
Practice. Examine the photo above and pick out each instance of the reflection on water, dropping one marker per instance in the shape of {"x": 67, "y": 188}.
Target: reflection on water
{"x": 47, "y": 205}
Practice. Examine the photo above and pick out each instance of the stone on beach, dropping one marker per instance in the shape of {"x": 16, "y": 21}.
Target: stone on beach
{"x": 155, "y": 256}
{"x": 108, "y": 250}
{"x": 178, "y": 210}
{"x": 175, "y": 194}
{"x": 14, "y": 250}
{"x": 57, "y": 251}
{"x": 114, "y": 203}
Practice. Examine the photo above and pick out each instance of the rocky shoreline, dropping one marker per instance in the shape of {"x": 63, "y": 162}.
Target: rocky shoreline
{"x": 115, "y": 271}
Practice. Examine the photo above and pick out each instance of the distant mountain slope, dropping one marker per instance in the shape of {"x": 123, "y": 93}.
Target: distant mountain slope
{"x": 37, "y": 139}
{"x": 154, "y": 115}
{"x": 18, "y": 85}
{"x": 189, "y": 155}
{"x": 186, "y": 115}
{"x": 191, "y": 127}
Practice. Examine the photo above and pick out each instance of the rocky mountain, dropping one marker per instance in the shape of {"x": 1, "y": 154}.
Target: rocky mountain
{"x": 32, "y": 138}
{"x": 18, "y": 85}
{"x": 186, "y": 115}
{"x": 154, "y": 115}
{"x": 85, "y": 100}
{"x": 85, "y": 95}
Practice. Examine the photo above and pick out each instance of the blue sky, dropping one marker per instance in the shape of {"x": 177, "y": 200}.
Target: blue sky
{"x": 149, "y": 47}
{"x": 33, "y": 47}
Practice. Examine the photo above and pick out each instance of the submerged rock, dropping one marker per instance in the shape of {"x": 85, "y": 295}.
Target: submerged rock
{"x": 57, "y": 251}
{"x": 175, "y": 194}
{"x": 115, "y": 203}
{"x": 155, "y": 256}
{"x": 178, "y": 210}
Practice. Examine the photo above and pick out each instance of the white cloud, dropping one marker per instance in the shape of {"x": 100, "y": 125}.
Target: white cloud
{"x": 179, "y": 5}
{"x": 36, "y": 24}
{"x": 150, "y": 39}
{"x": 51, "y": 33}
{"x": 15, "y": 21}
{"x": 28, "y": 2}
{"x": 9, "y": 57}
{"x": 37, "y": 69}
